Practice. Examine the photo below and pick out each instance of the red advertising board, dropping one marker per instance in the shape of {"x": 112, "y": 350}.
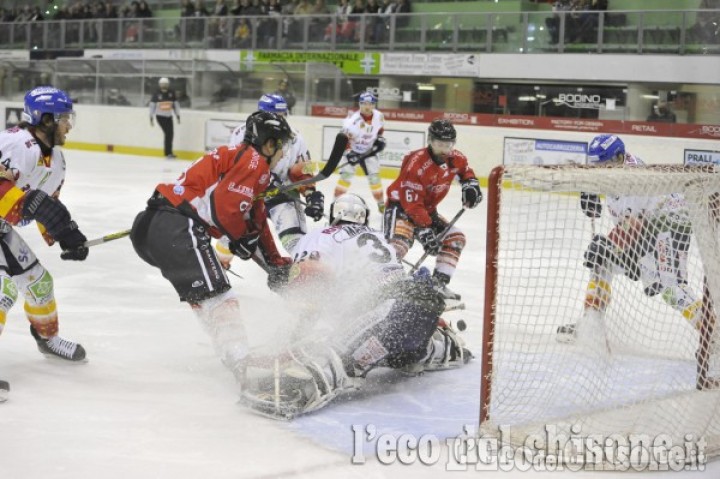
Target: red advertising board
{"x": 681, "y": 130}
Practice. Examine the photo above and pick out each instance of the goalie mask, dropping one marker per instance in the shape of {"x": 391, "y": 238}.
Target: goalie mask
{"x": 606, "y": 148}
{"x": 349, "y": 208}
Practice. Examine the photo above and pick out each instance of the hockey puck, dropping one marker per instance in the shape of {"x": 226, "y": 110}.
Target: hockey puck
{"x": 461, "y": 325}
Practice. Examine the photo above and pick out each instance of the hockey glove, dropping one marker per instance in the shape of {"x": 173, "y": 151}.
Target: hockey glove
{"x": 429, "y": 240}
{"x": 471, "y": 194}
{"x": 56, "y": 219}
{"x": 353, "y": 157}
{"x": 72, "y": 242}
{"x": 245, "y": 246}
{"x": 590, "y": 205}
{"x": 315, "y": 205}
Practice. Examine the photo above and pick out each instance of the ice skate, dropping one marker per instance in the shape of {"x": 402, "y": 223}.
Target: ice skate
{"x": 566, "y": 333}
{"x": 59, "y": 347}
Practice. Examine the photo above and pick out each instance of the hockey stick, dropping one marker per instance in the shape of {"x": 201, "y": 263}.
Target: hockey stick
{"x": 106, "y": 238}
{"x": 335, "y": 156}
{"x": 455, "y": 307}
{"x": 440, "y": 238}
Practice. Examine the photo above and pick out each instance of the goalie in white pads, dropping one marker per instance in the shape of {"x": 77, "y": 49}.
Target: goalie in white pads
{"x": 359, "y": 311}
{"x": 650, "y": 243}
{"x": 286, "y": 211}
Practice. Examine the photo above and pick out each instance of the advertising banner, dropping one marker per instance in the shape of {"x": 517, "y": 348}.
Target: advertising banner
{"x": 701, "y": 157}
{"x": 363, "y": 63}
{"x": 533, "y": 151}
{"x": 431, "y": 64}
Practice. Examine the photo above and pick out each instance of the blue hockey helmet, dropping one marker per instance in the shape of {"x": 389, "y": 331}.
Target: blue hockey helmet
{"x": 47, "y": 99}
{"x": 273, "y": 103}
{"x": 367, "y": 97}
{"x": 605, "y": 148}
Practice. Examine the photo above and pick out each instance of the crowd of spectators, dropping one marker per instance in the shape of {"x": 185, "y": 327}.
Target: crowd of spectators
{"x": 79, "y": 10}
{"x": 218, "y": 22}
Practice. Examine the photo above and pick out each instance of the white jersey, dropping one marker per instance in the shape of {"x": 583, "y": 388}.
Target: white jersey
{"x": 354, "y": 254}
{"x": 297, "y": 152}
{"x": 621, "y": 207}
{"x": 362, "y": 132}
{"x": 32, "y": 170}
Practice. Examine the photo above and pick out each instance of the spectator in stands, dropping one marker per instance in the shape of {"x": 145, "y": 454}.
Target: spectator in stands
{"x": 372, "y": 8}
{"x": 553, "y": 22}
{"x": 387, "y": 10}
{"x": 320, "y": 20}
{"x": 237, "y": 9}
{"x": 662, "y": 113}
{"x": 285, "y": 90}
{"x": 143, "y": 10}
{"x": 707, "y": 28}
{"x": 403, "y": 6}
{"x": 221, "y": 8}
{"x": 242, "y": 34}
{"x": 196, "y": 26}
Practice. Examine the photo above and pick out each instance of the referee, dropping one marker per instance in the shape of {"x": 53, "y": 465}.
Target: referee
{"x": 162, "y": 106}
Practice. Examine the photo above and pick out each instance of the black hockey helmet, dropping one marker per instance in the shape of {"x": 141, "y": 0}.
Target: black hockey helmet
{"x": 262, "y": 126}
{"x": 442, "y": 130}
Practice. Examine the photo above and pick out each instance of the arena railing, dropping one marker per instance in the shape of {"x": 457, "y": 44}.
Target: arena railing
{"x": 681, "y": 32}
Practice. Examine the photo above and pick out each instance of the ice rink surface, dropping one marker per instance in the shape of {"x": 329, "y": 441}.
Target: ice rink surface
{"x": 154, "y": 401}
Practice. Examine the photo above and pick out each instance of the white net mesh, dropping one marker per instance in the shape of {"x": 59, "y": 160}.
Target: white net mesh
{"x": 625, "y": 360}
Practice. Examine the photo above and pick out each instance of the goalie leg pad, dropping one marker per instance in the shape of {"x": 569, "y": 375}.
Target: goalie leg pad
{"x": 301, "y": 380}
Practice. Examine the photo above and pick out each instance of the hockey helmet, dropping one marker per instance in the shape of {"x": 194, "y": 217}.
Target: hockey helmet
{"x": 47, "y": 100}
{"x": 367, "y": 97}
{"x": 164, "y": 81}
{"x": 349, "y": 208}
{"x": 262, "y": 126}
{"x": 273, "y": 103}
{"x": 441, "y": 136}
{"x": 605, "y": 148}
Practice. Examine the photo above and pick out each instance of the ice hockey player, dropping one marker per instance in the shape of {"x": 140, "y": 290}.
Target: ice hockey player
{"x": 349, "y": 288}
{"x": 649, "y": 242}
{"x": 215, "y": 196}
{"x": 285, "y": 210}
{"x": 424, "y": 180}
{"x": 32, "y": 171}
{"x": 364, "y": 129}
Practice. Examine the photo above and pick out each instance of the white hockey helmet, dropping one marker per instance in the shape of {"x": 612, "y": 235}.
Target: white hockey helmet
{"x": 350, "y": 208}
{"x": 164, "y": 81}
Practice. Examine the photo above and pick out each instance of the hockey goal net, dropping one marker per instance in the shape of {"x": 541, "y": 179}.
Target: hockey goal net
{"x": 647, "y": 369}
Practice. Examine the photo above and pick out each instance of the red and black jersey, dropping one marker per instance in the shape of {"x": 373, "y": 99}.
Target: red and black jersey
{"x": 221, "y": 187}
{"x": 422, "y": 183}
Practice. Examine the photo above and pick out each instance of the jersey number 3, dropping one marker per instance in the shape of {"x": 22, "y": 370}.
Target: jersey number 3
{"x": 381, "y": 254}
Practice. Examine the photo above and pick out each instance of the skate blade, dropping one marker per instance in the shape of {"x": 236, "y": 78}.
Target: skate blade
{"x": 56, "y": 358}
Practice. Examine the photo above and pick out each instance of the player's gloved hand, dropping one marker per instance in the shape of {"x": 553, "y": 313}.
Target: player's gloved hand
{"x": 245, "y": 246}
{"x": 315, "y": 205}
{"x": 152, "y": 122}
{"x": 178, "y": 119}
{"x": 590, "y": 205}
{"x": 278, "y": 273}
{"x": 353, "y": 157}
{"x": 72, "y": 242}
{"x": 471, "y": 194}
{"x": 428, "y": 239}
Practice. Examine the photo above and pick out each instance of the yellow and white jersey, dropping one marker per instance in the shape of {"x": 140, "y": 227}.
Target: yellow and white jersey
{"x": 363, "y": 131}
{"x": 24, "y": 162}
